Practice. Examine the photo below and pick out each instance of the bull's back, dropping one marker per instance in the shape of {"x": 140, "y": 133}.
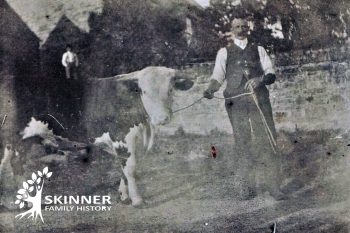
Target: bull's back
{"x": 112, "y": 106}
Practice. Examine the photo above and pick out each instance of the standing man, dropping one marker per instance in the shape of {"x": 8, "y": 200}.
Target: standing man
{"x": 70, "y": 62}
{"x": 247, "y": 67}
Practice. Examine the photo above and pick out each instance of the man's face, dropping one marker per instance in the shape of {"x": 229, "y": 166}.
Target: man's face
{"x": 240, "y": 28}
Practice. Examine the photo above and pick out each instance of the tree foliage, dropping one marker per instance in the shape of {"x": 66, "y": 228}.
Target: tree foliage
{"x": 261, "y": 14}
{"x": 303, "y": 24}
{"x": 130, "y": 35}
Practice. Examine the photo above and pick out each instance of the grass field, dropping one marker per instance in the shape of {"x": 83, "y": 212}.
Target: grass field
{"x": 187, "y": 190}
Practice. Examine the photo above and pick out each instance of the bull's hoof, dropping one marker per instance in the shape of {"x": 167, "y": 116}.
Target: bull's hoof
{"x": 123, "y": 196}
{"x": 126, "y": 201}
{"x": 278, "y": 195}
{"x": 143, "y": 205}
{"x": 137, "y": 202}
{"x": 246, "y": 195}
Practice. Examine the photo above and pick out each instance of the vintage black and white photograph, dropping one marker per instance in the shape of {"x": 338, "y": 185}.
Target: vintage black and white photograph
{"x": 174, "y": 116}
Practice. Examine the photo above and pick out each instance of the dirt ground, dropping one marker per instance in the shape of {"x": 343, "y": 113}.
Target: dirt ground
{"x": 187, "y": 190}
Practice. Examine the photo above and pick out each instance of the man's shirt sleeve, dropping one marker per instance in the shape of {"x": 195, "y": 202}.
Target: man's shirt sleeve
{"x": 266, "y": 63}
{"x": 219, "y": 71}
{"x": 64, "y": 58}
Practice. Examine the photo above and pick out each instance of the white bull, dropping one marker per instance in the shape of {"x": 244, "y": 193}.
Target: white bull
{"x": 141, "y": 100}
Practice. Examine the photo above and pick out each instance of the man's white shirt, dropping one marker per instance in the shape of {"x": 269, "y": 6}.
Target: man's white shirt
{"x": 219, "y": 71}
{"x": 69, "y": 57}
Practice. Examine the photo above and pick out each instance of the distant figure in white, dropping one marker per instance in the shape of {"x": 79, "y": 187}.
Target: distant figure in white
{"x": 70, "y": 62}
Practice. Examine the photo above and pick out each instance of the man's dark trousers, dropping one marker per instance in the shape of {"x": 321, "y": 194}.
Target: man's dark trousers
{"x": 258, "y": 165}
{"x": 71, "y": 69}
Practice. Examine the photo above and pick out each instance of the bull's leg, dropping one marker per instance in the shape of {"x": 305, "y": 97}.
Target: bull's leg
{"x": 129, "y": 171}
{"x": 134, "y": 141}
{"x": 6, "y": 161}
{"x": 123, "y": 189}
{"x": 151, "y": 137}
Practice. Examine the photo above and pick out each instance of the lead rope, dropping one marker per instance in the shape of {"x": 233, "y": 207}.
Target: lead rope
{"x": 221, "y": 98}
{"x": 266, "y": 126}
{"x": 270, "y": 135}
{"x": 180, "y": 109}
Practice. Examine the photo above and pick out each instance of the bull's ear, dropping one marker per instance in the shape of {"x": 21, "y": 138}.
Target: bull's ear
{"x": 132, "y": 86}
{"x": 182, "y": 81}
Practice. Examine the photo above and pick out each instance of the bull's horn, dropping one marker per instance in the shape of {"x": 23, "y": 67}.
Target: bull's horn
{"x": 130, "y": 76}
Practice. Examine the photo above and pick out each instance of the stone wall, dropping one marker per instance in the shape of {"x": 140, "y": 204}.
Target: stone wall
{"x": 312, "y": 96}
{"x": 312, "y": 91}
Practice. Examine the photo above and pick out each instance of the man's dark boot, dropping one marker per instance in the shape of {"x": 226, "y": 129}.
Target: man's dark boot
{"x": 248, "y": 189}
{"x": 247, "y": 194}
{"x": 276, "y": 193}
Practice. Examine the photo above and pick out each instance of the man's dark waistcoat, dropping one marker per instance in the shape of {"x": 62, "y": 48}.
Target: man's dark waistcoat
{"x": 238, "y": 60}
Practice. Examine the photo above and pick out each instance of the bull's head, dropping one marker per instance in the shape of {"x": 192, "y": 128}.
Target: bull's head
{"x": 156, "y": 85}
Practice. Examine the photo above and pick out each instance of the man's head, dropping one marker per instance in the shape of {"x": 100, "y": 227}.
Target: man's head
{"x": 240, "y": 28}
{"x": 68, "y": 47}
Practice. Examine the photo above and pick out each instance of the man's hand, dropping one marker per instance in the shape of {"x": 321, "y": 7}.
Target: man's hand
{"x": 212, "y": 88}
{"x": 254, "y": 83}
{"x": 207, "y": 94}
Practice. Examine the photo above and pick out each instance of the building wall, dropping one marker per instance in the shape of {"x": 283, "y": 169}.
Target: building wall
{"x": 7, "y": 111}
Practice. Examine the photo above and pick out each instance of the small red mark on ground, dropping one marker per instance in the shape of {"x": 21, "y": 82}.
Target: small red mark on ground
{"x": 213, "y": 152}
